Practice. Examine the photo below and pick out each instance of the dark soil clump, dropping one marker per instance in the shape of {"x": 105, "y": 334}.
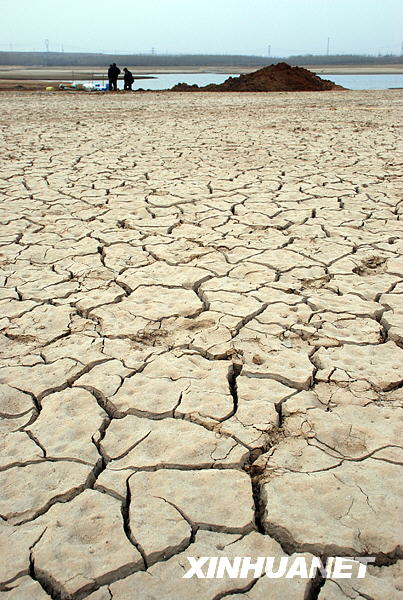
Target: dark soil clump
{"x": 274, "y": 78}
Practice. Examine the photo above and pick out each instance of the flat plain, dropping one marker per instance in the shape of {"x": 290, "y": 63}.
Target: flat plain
{"x": 201, "y": 341}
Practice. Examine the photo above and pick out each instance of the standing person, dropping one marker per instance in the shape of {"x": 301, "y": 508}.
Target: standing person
{"x": 113, "y": 74}
{"x": 128, "y": 79}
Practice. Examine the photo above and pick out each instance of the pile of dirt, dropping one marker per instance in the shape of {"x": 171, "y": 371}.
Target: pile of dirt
{"x": 274, "y": 78}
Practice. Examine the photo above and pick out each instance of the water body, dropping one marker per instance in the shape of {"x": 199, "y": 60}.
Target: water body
{"x": 163, "y": 81}
{"x": 367, "y": 82}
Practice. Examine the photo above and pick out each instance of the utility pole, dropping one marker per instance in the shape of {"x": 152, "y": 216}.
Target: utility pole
{"x": 153, "y": 51}
{"x": 269, "y": 50}
{"x": 47, "y": 45}
{"x": 328, "y": 45}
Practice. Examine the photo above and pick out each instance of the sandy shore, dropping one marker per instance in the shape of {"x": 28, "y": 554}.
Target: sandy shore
{"x": 202, "y": 330}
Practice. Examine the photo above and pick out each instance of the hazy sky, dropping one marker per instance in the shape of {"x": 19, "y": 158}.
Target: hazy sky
{"x": 204, "y": 26}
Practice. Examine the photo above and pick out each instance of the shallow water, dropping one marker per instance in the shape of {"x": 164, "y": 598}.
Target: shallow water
{"x": 163, "y": 81}
{"x": 367, "y": 82}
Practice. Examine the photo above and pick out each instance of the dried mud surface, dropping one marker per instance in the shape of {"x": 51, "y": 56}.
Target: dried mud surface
{"x": 201, "y": 339}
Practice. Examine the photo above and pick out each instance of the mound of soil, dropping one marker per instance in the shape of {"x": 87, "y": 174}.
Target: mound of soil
{"x": 274, "y": 78}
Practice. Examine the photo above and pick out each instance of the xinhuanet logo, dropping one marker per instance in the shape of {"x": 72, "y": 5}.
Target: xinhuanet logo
{"x": 242, "y": 567}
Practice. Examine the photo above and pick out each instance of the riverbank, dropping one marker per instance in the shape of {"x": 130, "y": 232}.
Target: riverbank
{"x": 52, "y": 74}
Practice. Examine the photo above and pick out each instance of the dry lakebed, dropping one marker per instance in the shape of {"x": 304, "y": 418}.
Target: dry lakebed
{"x": 201, "y": 337}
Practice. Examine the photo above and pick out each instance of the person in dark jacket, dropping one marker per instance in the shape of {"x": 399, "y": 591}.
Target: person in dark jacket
{"x": 128, "y": 79}
{"x": 113, "y": 74}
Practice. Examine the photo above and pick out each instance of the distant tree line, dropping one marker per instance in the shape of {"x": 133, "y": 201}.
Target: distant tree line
{"x": 78, "y": 59}
{"x": 343, "y": 59}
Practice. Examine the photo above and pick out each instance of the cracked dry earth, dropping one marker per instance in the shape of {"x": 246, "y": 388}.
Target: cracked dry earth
{"x": 202, "y": 327}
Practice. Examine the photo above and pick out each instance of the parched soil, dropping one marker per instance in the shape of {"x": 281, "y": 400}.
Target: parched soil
{"x": 201, "y": 343}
